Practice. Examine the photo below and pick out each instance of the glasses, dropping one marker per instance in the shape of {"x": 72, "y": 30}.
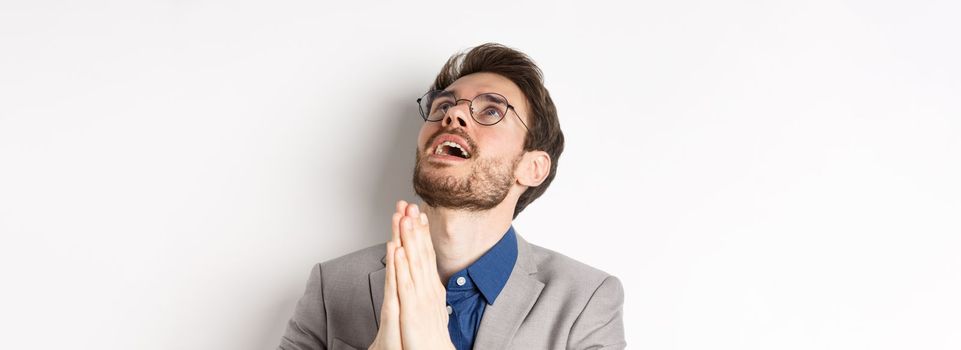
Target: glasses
{"x": 486, "y": 109}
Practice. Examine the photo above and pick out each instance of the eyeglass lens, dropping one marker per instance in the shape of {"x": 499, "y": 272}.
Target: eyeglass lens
{"x": 486, "y": 109}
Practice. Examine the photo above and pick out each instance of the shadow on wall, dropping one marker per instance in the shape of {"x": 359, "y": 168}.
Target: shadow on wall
{"x": 387, "y": 173}
{"x": 394, "y": 169}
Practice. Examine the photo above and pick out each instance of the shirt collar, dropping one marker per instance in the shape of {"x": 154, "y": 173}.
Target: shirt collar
{"x": 491, "y": 271}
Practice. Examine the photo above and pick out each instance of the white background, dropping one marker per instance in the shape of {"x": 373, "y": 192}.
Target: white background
{"x": 759, "y": 174}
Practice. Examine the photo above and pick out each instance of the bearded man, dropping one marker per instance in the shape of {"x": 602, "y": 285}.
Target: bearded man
{"x": 455, "y": 274}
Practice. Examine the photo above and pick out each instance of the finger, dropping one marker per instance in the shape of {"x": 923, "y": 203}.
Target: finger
{"x": 410, "y": 238}
{"x": 430, "y": 273}
{"x": 406, "y": 228}
{"x": 428, "y": 258}
{"x": 401, "y": 210}
{"x": 395, "y": 228}
{"x": 405, "y": 285}
{"x": 424, "y": 226}
{"x": 420, "y": 249}
{"x": 419, "y": 221}
{"x": 413, "y": 210}
{"x": 390, "y": 310}
{"x": 389, "y": 332}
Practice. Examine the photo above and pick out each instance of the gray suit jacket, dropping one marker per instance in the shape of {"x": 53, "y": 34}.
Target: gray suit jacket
{"x": 550, "y": 301}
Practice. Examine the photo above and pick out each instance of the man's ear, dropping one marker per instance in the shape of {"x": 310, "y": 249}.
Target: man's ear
{"x": 534, "y": 168}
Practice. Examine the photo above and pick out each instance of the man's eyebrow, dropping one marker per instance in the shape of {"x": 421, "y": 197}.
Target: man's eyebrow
{"x": 447, "y": 93}
{"x": 494, "y": 97}
{"x": 453, "y": 94}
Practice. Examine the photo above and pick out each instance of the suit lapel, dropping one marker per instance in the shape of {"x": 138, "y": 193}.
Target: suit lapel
{"x": 502, "y": 319}
{"x": 376, "y": 279}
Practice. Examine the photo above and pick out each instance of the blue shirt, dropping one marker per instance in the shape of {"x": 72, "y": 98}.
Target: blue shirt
{"x": 470, "y": 290}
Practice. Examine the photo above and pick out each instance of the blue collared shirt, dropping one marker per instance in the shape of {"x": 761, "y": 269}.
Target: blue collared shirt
{"x": 470, "y": 290}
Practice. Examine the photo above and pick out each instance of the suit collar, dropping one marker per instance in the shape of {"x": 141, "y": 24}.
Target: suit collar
{"x": 501, "y": 320}
{"x": 376, "y": 280}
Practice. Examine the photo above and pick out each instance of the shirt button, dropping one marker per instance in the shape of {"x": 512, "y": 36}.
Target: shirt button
{"x": 450, "y": 310}
{"x": 461, "y": 280}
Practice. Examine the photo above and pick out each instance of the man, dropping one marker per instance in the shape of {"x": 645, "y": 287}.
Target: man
{"x": 455, "y": 274}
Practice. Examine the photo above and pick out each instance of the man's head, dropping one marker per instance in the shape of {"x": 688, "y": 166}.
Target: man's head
{"x": 462, "y": 163}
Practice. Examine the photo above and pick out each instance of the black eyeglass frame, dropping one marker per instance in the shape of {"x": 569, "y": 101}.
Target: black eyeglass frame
{"x": 470, "y": 106}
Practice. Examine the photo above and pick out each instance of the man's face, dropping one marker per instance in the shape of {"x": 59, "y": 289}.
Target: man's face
{"x": 443, "y": 177}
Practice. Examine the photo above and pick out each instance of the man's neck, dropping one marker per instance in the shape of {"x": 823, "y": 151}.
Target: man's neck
{"x": 461, "y": 237}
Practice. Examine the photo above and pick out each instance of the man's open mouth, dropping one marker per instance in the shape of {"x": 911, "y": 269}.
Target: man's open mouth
{"x": 452, "y": 149}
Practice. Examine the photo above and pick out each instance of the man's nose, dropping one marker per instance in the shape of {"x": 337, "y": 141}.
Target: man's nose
{"x": 459, "y": 114}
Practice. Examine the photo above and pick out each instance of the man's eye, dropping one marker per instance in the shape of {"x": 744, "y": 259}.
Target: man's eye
{"x": 443, "y": 107}
{"x": 492, "y": 112}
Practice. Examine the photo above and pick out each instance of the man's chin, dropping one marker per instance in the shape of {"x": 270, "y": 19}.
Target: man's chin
{"x": 451, "y": 184}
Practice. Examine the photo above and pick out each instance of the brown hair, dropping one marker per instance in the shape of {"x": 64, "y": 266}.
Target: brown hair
{"x": 545, "y": 129}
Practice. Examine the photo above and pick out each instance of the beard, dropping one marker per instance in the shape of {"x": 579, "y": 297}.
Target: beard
{"x": 486, "y": 186}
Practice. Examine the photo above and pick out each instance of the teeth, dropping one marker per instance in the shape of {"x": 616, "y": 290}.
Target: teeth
{"x": 440, "y": 148}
